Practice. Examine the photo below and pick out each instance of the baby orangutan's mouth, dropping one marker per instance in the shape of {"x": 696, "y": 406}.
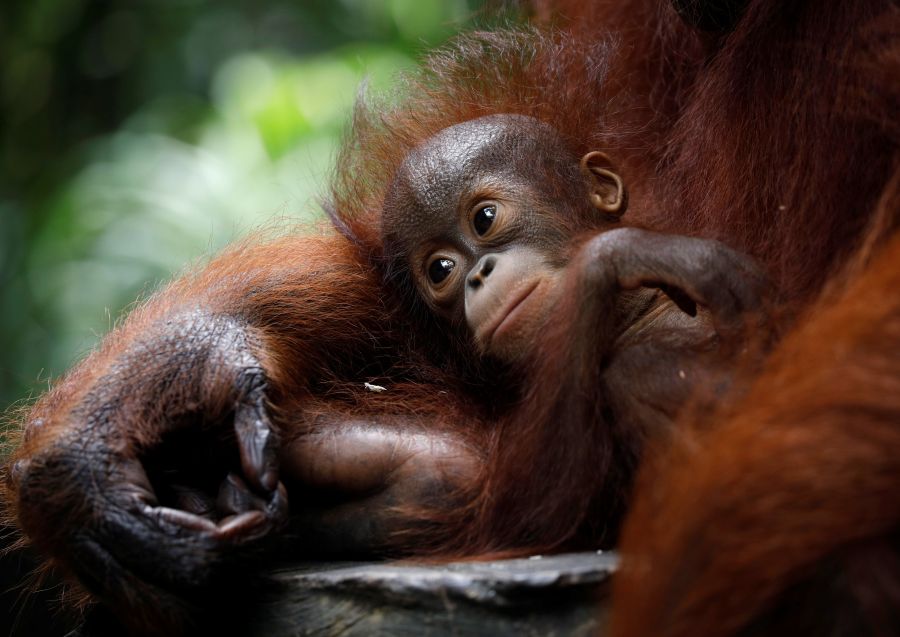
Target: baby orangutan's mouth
{"x": 509, "y": 314}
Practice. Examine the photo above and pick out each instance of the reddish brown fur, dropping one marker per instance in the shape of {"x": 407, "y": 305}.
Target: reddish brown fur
{"x": 288, "y": 267}
{"x": 779, "y": 139}
{"x": 801, "y": 476}
{"x": 755, "y": 139}
{"x": 326, "y": 311}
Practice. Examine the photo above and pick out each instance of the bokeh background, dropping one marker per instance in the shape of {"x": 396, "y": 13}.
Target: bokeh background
{"x": 138, "y": 136}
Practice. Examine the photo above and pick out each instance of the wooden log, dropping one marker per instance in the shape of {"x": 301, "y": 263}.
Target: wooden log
{"x": 545, "y": 595}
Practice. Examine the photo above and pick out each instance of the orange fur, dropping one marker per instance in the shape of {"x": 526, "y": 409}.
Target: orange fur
{"x": 805, "y": 469}
{"x": 780, "y": 139}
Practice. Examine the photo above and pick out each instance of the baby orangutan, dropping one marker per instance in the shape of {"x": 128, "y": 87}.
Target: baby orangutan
{"x": 509, "y": 238}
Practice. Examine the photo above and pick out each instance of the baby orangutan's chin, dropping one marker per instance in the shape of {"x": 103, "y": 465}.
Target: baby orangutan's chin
{"x": 512, "y": 336}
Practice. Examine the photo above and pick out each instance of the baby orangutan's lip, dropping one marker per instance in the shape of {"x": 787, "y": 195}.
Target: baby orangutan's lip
{"x": 508, "y": 314}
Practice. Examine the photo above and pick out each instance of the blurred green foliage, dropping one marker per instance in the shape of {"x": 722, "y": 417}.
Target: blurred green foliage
{"x": 137, "y": 135}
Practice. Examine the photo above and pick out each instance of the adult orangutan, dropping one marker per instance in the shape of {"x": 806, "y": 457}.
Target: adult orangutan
{"x": 774, "y": 514}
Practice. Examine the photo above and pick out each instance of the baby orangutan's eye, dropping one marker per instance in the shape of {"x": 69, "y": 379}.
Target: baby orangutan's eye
{"x": 484, "y": 218}
{"x": 440, "y": 269}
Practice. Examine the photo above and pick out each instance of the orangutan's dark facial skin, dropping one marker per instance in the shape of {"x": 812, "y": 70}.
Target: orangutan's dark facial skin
{"x": 487, "y": 240}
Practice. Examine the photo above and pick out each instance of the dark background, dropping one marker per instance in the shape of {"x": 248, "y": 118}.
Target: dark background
{"x": 139, "y": 135}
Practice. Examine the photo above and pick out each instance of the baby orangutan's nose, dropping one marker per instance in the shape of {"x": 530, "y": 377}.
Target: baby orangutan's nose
{"x": 481, "y": 271}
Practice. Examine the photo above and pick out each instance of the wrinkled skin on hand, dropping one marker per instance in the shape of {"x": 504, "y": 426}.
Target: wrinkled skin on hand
{"x": 123, "y": 515}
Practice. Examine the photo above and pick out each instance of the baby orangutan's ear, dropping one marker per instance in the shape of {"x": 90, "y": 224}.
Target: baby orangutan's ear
{"x": 606, "y": 189}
